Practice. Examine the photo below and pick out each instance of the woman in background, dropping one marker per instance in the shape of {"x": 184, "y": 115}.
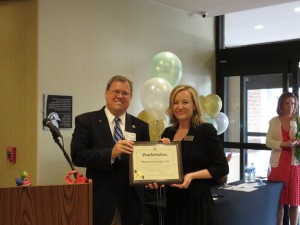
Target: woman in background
{"x": 284, "y": 165}
{"x": 204, "y": 161}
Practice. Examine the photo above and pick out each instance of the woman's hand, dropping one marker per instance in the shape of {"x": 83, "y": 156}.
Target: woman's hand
{"x": 186, "y": 182}
{"x": 296, "y": 142}
{"x": 290, "y": 143}
{"x": 165, "y": 140}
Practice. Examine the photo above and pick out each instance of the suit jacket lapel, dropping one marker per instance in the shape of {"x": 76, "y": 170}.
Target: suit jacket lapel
{"x": 129, "y": 126}
{"x": 103, "y": 126}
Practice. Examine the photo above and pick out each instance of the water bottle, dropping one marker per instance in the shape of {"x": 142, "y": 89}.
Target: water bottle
{"x": 252, "y": 173}
{"x": 247, "y": 174}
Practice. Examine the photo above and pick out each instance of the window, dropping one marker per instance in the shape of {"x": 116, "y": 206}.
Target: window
{"x": 249, "y": 81}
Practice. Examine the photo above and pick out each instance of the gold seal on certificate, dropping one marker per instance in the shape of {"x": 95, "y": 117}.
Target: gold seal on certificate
{"x": 156, "y": 162}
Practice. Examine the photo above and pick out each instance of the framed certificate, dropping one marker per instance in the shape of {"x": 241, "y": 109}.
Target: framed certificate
{"x": 155, "y": 162}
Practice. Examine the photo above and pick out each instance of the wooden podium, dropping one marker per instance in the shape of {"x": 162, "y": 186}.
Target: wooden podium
{"x": 69, "y": 204}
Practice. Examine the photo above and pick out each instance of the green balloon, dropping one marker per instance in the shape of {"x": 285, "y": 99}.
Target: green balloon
{"x": 168, "y": 66}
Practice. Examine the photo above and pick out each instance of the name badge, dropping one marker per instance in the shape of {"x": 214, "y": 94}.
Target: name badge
{"x": 293, "y": 124}
{"x": 188, "y": 138}
{"x": 130, "y": 136}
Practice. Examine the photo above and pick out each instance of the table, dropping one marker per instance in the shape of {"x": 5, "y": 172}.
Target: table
{"x": 258, "y": 207}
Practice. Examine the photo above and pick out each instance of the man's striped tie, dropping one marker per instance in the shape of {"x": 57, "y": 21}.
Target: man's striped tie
{"x": 118, "y": 135}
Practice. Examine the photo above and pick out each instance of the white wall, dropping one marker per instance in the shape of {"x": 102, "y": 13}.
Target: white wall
{"x": 82, "y": 43}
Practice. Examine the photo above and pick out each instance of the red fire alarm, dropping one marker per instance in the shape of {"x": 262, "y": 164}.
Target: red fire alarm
{"x": 11, "y": 154}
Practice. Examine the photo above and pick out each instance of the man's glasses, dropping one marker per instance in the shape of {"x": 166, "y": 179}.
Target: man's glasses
{"x": 117, "y": 93}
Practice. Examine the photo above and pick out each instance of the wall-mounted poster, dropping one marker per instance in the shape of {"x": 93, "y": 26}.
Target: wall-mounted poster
{"x": 58, "y": 108}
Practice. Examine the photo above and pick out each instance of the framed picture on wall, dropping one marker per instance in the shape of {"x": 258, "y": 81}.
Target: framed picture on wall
{"x": 58, "y": 108}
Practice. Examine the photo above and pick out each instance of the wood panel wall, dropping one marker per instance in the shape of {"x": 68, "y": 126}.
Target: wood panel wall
{"x": 18, "y": 88}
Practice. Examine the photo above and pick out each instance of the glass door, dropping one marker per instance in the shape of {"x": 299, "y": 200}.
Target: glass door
{"x": 261, "y": 93}
{"x": 250, "y": 102}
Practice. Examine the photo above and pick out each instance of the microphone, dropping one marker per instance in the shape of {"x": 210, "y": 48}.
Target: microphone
{"x": 55, "y": 132}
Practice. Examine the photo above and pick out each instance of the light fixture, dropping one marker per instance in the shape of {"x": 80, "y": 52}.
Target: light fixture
{"x": 297, "y": 9}
{"x": 259, "y": 27}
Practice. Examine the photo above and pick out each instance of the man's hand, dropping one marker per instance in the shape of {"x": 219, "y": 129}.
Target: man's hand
{"x": 122, "y": 147}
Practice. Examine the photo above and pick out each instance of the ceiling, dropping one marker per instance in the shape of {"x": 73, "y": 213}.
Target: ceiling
{"x": 278, "y": 18}
{"x": 219, "y": 7}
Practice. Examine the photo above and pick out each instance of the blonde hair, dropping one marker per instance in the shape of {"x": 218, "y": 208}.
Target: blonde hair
{"x": 197, "y": 113}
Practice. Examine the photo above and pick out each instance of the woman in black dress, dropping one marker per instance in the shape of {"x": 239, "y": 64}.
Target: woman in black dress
{"x": 204, "y": 161}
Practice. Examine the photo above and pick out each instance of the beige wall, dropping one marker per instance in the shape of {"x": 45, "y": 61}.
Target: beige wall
{"x": 18, "y": 88}
{"x": 81, "y": 44}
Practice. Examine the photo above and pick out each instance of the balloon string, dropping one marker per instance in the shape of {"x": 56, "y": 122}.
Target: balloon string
{"x": 158, "y": 129}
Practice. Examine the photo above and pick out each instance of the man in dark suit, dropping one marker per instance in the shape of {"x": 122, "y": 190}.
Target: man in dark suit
{"x": 107, "y": 160}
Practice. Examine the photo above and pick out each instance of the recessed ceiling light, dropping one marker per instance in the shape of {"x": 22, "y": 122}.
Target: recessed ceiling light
{"x": 259, "y": 27}
{"x": 297, "y": 9}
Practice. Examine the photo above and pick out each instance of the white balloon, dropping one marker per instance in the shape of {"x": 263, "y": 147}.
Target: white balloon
{"x": 155, "y": 97}
{"x": 222, "y": 122}
{"x": 208, "y": 119}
